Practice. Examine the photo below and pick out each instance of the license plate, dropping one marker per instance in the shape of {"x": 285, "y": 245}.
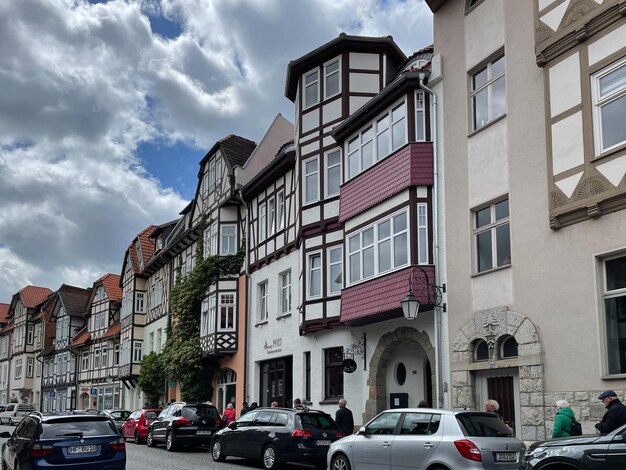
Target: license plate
{"x": 506, "y": 456}
{"x": 322, "y": 443}
{"x": 203, "y": 433}
{"x": 82, "y": 449}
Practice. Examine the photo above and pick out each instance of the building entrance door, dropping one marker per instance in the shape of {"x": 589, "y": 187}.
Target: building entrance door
{"x": 501, "y": 385}
{"x": 276, "y": 382}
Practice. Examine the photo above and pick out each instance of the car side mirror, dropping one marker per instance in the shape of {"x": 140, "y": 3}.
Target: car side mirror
{"x": 232, "y": 425}
{"x": 361, "y": 430}
{"x": 5, "y": 435}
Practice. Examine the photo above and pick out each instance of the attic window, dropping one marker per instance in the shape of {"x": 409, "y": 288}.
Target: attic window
{"x": 470, "y": 4}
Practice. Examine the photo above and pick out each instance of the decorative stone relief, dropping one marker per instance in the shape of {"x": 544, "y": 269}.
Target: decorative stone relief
{"x": 576, "y": 10}
{"x": 556, "y": 199}
{"x": 589, "y": 188}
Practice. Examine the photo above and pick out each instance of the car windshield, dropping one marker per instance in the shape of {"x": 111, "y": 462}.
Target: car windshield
{"x": 120, "y": 414}
{"x": 150, "y": 414}
{"x": 483, "y": 425}
{"x": 317, "y": 421}
{"x": 204, "y": 411}
{"x": 67, "y": 427}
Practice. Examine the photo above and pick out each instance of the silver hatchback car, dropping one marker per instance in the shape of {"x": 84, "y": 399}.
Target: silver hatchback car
{"x": 420, "y": 438}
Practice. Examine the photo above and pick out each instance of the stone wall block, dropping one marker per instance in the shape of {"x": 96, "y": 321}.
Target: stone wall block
{"x": 513, "y": 322}
{"x": 532, "y": 416}
{"x": 536, "y": 399}
{"x": 531, "y": 372}
{"x": 460, "y": 378}
{"x": 529, "y": 349}
{"x": 524, "y": 399}
{"x": 529, "y": 433}
{"x": 581, "y": 396}
{"x": 530, "y": 385}
{"x": 526, "y": 333}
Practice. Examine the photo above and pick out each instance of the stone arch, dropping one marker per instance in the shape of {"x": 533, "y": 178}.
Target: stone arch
{"x": 387, "y": 344}
{"x": 493, "y": 325}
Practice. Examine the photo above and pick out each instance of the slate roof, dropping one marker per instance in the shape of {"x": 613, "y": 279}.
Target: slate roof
{"x": 235, "y": 149}
{"x": 74, "y": 299}
{"x": 111, "y": 283}
{"x": 31, "y": 296}
{"x": 4, "y": 311}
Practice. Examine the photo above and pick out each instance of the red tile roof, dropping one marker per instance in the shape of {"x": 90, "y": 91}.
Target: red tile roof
{"x": 412, "y": 165}
{"x": 113, "y": 330}
{"x": 31, "y": 296}
{"x": 111, "y": 283}
{"x": 382, "y": 294}
{"x": 4, "y": 311}
{"x": 82, "y": 337}
{"x": 147, "y": 248}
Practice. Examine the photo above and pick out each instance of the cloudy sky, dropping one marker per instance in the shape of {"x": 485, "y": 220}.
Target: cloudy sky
{"x": 106, "y": 108}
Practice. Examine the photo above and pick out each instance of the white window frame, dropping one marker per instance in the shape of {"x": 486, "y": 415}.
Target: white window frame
{"x": 30, "y": 367}
{"x": 488, "y": 85}
{"x": 280, "y": 210}
{"x": 228, "y": 242}
{"x": 262, "y": 221}
{"x": 204, "y": 317}
{"x": 613, "y": 327}
{"x": 422, "y": 233}
{"x": 84, "y": 361}
{"x": 359, "y": 252}
{"x": 116, "y": 354}
{"x": 284, "y": 292}
{"x": 330, "y": 166}
{"x": 212, "y": 313}
{"x": 493, "y": 228}
{"x": 360, "y": 139}
{"x": 140, "y": 302}
{"x": 313, "y": 272}
{"x": 96, "y": 359}
{"x": 30, "y": 334}
{"x": 312, "y": 178}
{"x": 315, "y": 83}
{"x": 420, "y": 109}
{"x": 137, "y": 351}
{"x": 263, "y": 292}
{"x": 231, "y": 309}
{"x": 18, "y": 369}
{"x": 602, "y": 100}
{"x": 271, "y": 215}
{"x": 328, "y": 74}
{"x": 331, "y": 264}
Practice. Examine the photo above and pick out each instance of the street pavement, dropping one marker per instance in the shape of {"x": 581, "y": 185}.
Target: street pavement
{"x": 140, "y": 457}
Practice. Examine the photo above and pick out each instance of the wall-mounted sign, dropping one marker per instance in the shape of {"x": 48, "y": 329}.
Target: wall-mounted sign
{"x": 52, "y": 394}
{"x": 348, "y": 365}
{"x": 94, "y": 391}
{"x": 274, "y": 346}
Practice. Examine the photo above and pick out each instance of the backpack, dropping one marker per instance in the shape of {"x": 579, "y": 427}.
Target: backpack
{"x": 576, "y": 429}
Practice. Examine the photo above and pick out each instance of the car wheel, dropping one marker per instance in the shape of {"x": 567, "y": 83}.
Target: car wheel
{"x": 340, "y": 462}
{"x": 150, "y": 441}
{"x": 216, "y": 451}
{"x": 170, "y": 444}
{"x": 270, "y": 458}
{"x": 136, "y": 437}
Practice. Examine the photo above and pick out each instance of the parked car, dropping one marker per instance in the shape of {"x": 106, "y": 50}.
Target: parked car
{"x": 14, "y": 412}
{"x": 184, "y": 424}
{"x": 136, "y": 426}
{"x": 118, "y": 417}
{"x": 63, "y": 441}
{"x": 593, "y": 452}
{"x": 278, "y": 435}
{"x": 429, "y": 438}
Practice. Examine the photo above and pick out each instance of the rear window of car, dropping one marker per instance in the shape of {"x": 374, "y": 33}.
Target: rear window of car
{"x": 25, "y": 407}
{"x": 317, "y": 421}
{"x": 68, "y": 427}
{"x": 120, "y": 414}
{"x": 150, "y": 415}
{"x": 483, "y": 425}
{"x": 203, "y": 411}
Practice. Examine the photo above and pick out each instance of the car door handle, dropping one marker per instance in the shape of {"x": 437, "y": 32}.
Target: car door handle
{"x": 428, "y": 445}
{"x": 386, "y": 444}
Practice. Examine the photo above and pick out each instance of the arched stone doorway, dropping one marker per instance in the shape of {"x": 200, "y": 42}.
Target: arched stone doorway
{"x": 471, "y": 368}
{"x": 385, "y": 348}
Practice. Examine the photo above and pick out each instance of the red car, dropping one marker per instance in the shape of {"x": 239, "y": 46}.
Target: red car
{"x": 136, "y": 426}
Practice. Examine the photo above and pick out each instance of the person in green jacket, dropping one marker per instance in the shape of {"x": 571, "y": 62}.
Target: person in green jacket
{"x": 563, "y": 419}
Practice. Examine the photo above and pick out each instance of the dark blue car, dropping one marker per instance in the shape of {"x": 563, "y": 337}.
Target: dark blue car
{"x": 64, "y": 441}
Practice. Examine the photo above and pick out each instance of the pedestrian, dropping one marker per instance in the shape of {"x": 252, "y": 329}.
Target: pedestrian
{"x": 229, "y": 414}
{"x": 423, "y": 404}
{"x": 298, "y": 406}
{"x": 563, "y": 419}
{"x": 492, "y": 406}
{"x": 274, "y": 404}
{"x": 344, "y": 419}
{"x": 245, "y": 408}
{"x": 253, "y": 406}
{"x": 615, "y": 414}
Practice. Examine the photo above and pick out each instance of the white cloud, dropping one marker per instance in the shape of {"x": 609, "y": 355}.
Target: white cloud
{"x": 83, "y": 85}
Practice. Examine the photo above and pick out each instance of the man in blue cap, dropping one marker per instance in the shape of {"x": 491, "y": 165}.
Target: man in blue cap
{"x": 615, "y": 415}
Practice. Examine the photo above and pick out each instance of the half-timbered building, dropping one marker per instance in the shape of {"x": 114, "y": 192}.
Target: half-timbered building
{"x": 5, "y": 352}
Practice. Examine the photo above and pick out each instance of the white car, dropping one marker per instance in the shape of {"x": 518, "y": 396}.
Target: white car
{"x": 420, "y": 438}
{"x": 14, "y": 412}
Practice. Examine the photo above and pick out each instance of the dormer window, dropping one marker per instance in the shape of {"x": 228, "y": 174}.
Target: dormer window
{"x": 311, "y": 89}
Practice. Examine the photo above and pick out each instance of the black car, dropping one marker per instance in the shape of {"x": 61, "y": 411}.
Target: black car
{"x": 278, "y": 435}
{"x": 592, "y": 452}
{"x": 184, "y": 424}
{"x": 62, "y": 440}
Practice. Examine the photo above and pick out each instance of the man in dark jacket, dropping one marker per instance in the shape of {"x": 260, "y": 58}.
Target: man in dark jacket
{"x": 343, "y": 418}
{"x": 615, "y": 415}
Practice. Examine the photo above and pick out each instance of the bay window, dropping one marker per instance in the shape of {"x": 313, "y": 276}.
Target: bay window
{"x": 228, "y": 240}
{"x": 227, "y": 312}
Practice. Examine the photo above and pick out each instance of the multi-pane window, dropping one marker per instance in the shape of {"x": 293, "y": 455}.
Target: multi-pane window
{"x": 420, "y": 117}
{"x": 204, "y": 317}
{"x": 30, "y": 334}
{"x": 614, "y": 295}
{"x": 609, "y": 101}
{"x": 333, "y": 172}
{"x": 332, "y": 78}
{"x": 228, "y": 239}
{"x": 263, "y": 293}
{"x": 105, "y": 356}
{"x": 137, "y": 351}
{"x": 212, "y": 313}
{"x": 492, "y": 236}
{"x": 488, "y": 93}
{"x": 285, "y": 292}
{"x": 314, "y": 285}
{"x": 140, "y": 302}
{"x": 156, "y": 294}
{"x": 262, "y": 222}
{"x": 311, "y": 89}
{"x": 30, "y": 366}
{"x": 271, "y": 215}
{"x": 116, "y": 354}
{"x": 385, "y": 135}
{"x": 227, "y": 312}
{"x": 159, "y": 340}
{"x": 84, "y": 361}
{"x": 334, "y": 256}
{"x": 280, "y": 210}
{"x": 311, "y": 180}
{"x": 18, "y": 368}
{"x": 422, "y": 233}
{"x": 96, "y": 359}
{"x": 378, "y": 248}
{"x": 333, "y": 373}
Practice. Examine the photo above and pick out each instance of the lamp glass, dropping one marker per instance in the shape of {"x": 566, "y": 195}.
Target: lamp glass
{"x": 410, "y": 306}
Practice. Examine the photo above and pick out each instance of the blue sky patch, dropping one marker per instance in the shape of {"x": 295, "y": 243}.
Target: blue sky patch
{"x": 165, "y": 27}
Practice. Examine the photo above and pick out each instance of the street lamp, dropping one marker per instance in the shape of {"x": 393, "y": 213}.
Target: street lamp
{"x": 432, "y": 293}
